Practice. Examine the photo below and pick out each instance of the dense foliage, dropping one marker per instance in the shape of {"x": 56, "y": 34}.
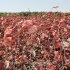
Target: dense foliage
{"x": 35, "y": 41}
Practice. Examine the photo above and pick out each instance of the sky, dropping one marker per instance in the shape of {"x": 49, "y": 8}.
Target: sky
{"x": 34, "y": 5}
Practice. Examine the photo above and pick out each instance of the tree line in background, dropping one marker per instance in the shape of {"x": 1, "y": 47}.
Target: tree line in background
{"x": 31, "y": 13}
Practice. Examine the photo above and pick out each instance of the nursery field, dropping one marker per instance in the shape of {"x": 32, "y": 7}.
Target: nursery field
{"x": 35, "y": 42}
